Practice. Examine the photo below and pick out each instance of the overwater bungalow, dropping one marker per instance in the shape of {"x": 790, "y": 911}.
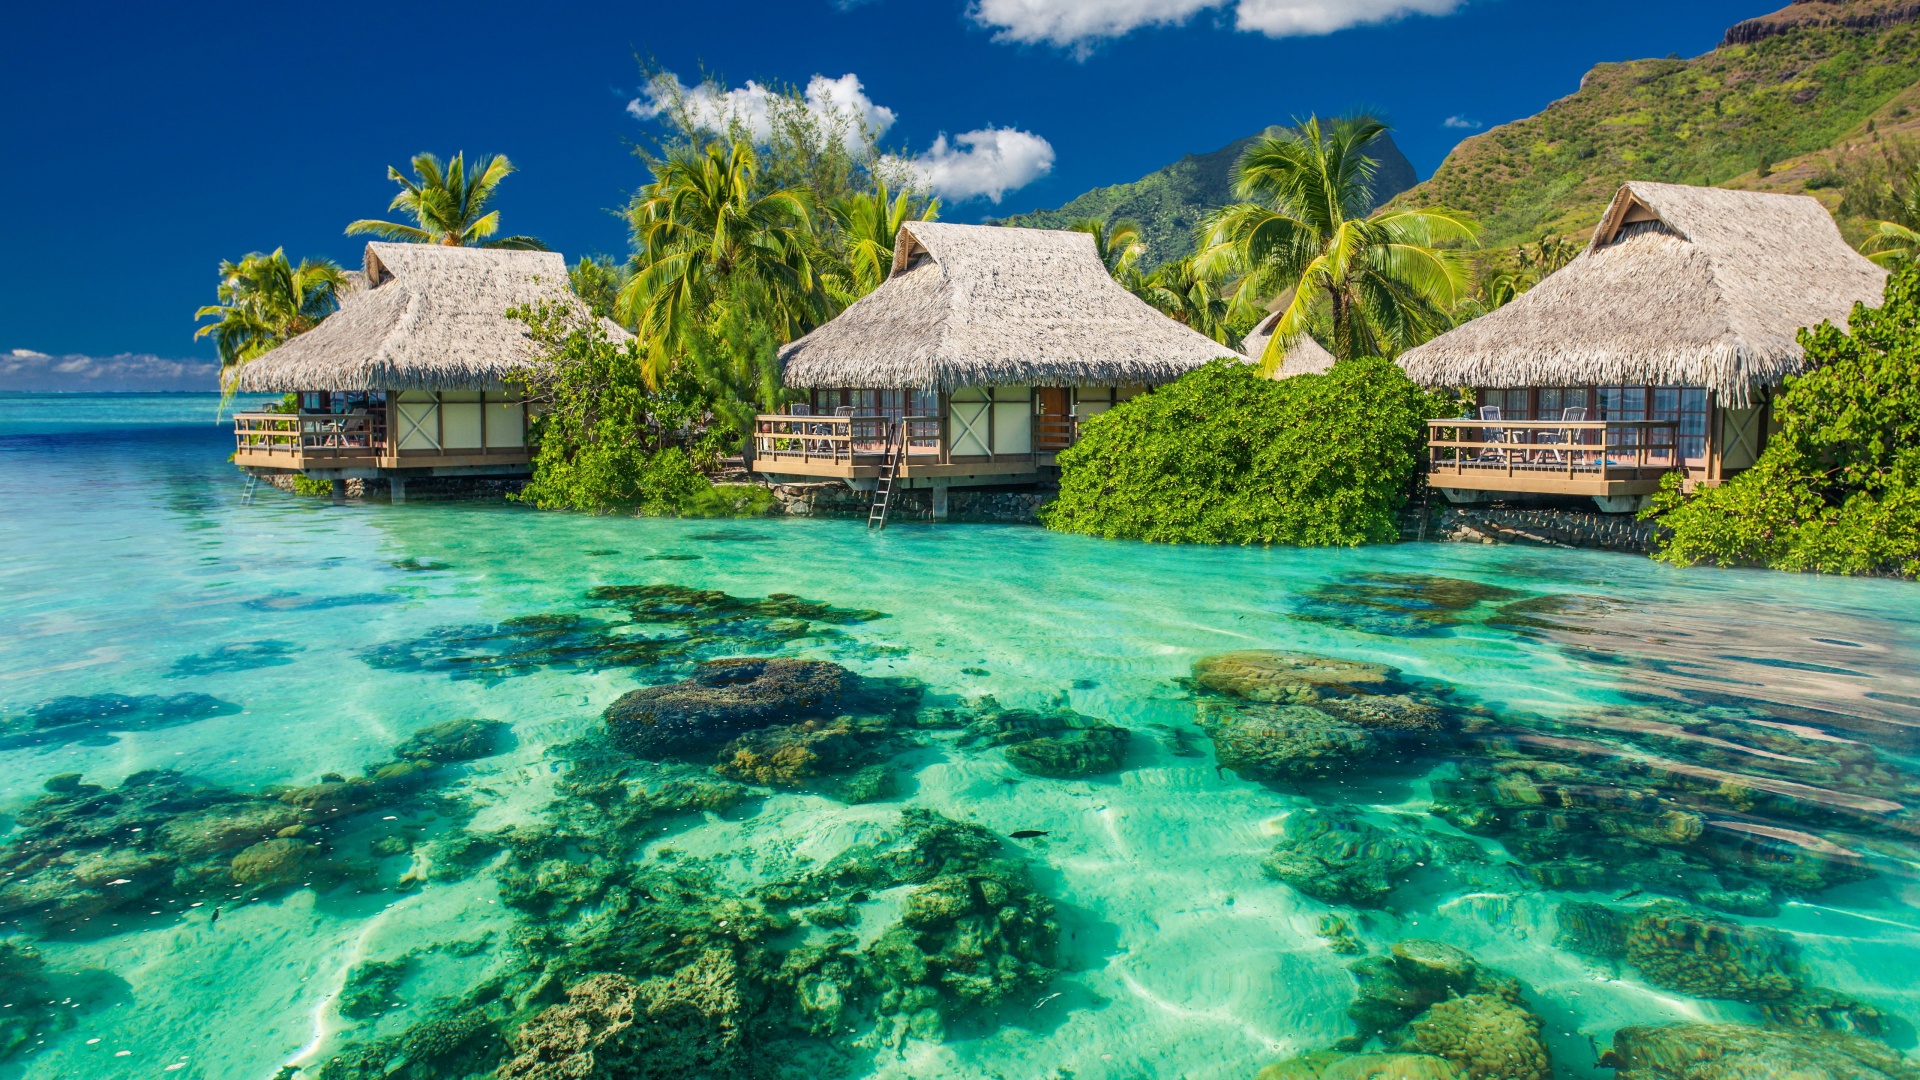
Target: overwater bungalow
{"x": 1656, "y": 350}
{"x": 407, "y": 379}
{"x": 973, "y": 364}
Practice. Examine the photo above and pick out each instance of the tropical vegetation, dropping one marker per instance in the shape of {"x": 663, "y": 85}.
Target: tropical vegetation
{"x": 1224, "y": 456}
{"x": 608, "y": 440}
{"x": 1376, "y": 283}
{"x": 1169, "y": 203}
{"x": 448, "y": 204}
{"x": 1779, "y": 106}
{"x": 265, "y": 300}
{"x": 1837, "y": 489}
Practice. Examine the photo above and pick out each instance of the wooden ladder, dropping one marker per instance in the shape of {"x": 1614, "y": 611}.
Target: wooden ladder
{"x": 889, "y": 468}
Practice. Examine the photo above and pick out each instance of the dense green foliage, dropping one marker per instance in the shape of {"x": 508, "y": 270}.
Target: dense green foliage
{"x": 448, "y": 204}
{"x": 1370, "y": 284}
{"x": 1837, "y": 489}
{"x": 264, "y": 301}
{"x": 1169, "y": 203}
{"x": 606, "y": 439}
{"x": 1707, "y": 120}
{"x": 1223, "y": 456}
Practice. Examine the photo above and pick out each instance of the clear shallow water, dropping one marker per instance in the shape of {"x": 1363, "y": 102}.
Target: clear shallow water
{"x": 133, "y": 566}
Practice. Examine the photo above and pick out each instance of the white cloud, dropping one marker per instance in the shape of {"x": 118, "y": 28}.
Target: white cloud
{"x": 1462, "y": 123}
{"x": 1078, "y": 24}
{"x": 839, "y": 103}
{"x": 28, "y": 370}
{"x": 1295, "y": 18}
{"x": 986, "y": 163}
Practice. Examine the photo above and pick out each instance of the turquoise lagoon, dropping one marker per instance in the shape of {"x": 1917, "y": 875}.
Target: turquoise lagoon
{"x": 135, "y": 564}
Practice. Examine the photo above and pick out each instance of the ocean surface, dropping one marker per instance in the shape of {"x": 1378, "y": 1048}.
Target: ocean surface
{"x": 1740, "y": 742}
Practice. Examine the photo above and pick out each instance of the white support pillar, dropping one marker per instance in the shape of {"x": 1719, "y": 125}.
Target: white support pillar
{"x": 339, "y": 491}
{"x": 398, "y": 486}
{"x": 939, "y": 498}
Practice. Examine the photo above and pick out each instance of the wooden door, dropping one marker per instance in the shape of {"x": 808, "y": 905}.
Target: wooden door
{"x": 1054, "y": 426}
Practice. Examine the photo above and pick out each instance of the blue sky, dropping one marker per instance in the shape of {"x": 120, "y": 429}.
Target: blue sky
{"x": 144, "y": 143}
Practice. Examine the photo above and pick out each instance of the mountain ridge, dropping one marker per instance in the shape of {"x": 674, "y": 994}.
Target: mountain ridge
{"x": 1169, "y": 202}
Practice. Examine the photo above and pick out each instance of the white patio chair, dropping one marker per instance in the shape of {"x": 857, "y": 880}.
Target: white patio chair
{"x": 1491, "y": 435}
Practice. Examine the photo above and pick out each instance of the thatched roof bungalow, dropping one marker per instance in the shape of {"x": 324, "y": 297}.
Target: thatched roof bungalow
{"x": 1665, "y": 335}
{"x": 407, "y": 378}
{"x": 987, "y": 346}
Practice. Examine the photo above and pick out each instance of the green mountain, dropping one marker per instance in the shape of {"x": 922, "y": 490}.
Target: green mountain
{"x": 1783, "y": 104}
{"x": 1168, "y": 203}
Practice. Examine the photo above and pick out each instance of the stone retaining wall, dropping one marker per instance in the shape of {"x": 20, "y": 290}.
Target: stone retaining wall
{"x": 1548, "y": 527}
{"x": 1006, "y": 506}
{"x": 419, "y": 488}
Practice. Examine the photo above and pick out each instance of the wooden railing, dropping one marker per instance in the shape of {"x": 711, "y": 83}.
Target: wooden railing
{"x": 307, "y": 436}
{"x": 1053, "y": 432}
{"x": 1585, "y": 449}
{"x": 842, "y": 438}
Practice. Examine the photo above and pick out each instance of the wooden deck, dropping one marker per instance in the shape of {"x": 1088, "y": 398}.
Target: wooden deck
{"x": 307, "y": 442}
{"x": 854, "y": 448}
{"x": 1606, "y": 458}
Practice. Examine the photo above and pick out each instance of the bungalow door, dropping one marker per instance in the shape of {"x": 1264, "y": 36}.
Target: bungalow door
{"x": 1053, "y": 418}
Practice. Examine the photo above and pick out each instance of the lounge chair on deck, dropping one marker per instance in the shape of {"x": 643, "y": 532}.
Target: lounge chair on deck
{"x": 1562, "y": 436}
{"x": 1491, "y": 454}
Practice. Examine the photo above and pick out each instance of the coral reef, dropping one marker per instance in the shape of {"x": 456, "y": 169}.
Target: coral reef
{"x": 723, "y": 700}
{"x": 236, "y": 656}
{"x": 797, "y": 753}
{"x": 1283, "y": 742}
{"x": 39, "y": 1002}
{"x": 94, "y": 719}
{"x": 964, "y": 940}
{"x": 1739, "y": 1052}
{"x": 161, "y": 840}
{"x": 1290, "y": 716}
{"x": 681, "y": 1027}
{"x": 701, "y": 623}
{"x": 1057, "y": 743}
{"x": 369, "y": 988}
{"x": 1429, "y": 998}
{"x": 453, "y": 740}
{"x": 1339, "y": 857}
{"x": 1333, "y": 1065}
{"x": 1401, "y": 605}
{"x": 1692, "y": 951}
{"x": 1485, "y": 1036}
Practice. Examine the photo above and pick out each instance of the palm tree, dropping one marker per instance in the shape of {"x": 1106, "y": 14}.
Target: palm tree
{"x": 1381, "y": 283}
{"x": 699, "y": 223}
{"x": 448, "y": 205}
{"x": 265, "y": 300}
{"x": 1892, "y": 244}
{"x": 1181, "y": 292}
{"x": 1118, "y": 243}
{"x": 868, "y": 223}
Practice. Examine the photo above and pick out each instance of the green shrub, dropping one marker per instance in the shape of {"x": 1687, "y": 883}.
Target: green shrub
{"x": 604, "y": 439}
{"x": 1223, "y": 456}
{"x": 1837, "y": 489}
{"x": 307, "y": 485}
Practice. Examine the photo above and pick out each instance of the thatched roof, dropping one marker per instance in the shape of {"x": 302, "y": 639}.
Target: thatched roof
{"x": 1685, "y": 286}
{"x": 1306, "y": 357}
{"x": 982, "y": 305}
{"x": 428, "y": 317}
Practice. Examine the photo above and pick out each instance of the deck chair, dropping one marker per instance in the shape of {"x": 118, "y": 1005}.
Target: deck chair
{"x": 1562, "y": 436}
{"x": 1491, "y": 435}
{"x": 840, "y": 412}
